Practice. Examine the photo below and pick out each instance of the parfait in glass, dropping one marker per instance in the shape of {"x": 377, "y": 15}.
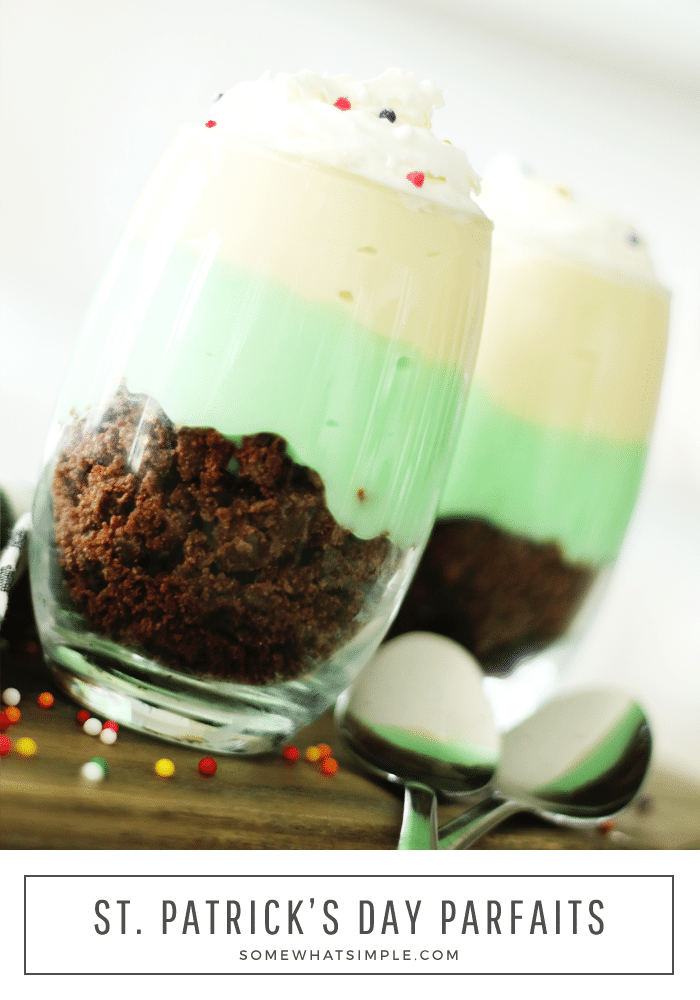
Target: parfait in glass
{"x": 553, "y": 444}
{"x": 251, "y": 441}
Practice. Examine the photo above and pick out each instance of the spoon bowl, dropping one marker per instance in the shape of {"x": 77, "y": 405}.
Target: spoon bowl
{"x": 580, "y": 759}
{"x": 417, "y": 715}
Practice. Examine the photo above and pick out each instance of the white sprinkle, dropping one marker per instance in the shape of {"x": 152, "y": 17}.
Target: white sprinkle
{"x": 92, "y": 771}
{"x": 11, "y": 696}
{"x": 92, "y": 726}
{"x": 108, "y": 736}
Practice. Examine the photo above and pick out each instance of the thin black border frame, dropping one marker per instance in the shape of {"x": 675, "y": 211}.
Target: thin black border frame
{"x": 325, "y": 972}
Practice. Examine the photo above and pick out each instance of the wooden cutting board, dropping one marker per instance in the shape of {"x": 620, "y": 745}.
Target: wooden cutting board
{"x": 261, "y": 803}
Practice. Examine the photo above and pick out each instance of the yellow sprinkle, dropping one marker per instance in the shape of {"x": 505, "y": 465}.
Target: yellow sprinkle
{"x": 313, "y": 753}
{"x": 164, "y": 768}
{"x": 346, "y": 295}
{"x": 25, "y": 746}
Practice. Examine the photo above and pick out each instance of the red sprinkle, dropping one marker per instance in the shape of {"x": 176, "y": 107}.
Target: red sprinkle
{"x": 329, "y": 765}
{"x": 290, "y": 753}
{"x": 343, "y": 103}
{"x": 416, "y": 177}
{"x": 5, "y": 745}
{"x": 4, "y": 722}
{"x": 207, "y": 765}
{"x": 210, "y": 124}
{"x": 110, "y": 724}
{"x": 82, "y": 717}
{"x": 45, "y": 699}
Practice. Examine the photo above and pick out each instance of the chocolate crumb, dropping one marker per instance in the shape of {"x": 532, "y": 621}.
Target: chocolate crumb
{"x": 209, "y": 556}
{"x": 498, "y": 594}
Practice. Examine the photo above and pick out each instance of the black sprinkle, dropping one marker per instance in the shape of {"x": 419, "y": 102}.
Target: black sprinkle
{"x": 633, "y": 239}
{"x": 388, "y": 113}
{"x": 218, "y": 98}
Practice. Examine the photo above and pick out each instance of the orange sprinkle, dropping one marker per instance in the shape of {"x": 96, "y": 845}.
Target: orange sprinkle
{"x": 324, "y": 750}
{"x": 329, "y": 765}
{"x": 13, "y": 713}
{"x": 45, "y": 699}
{"x": 313, "y": 754}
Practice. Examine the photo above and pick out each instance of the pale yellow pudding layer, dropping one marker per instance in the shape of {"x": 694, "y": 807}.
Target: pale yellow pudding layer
{"x": 571, "y": 347}
{"x": 394, "y": 262}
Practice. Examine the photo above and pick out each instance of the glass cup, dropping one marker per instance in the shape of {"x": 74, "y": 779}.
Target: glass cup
{"x": 251, "y": 441}
{"x": 552, "y": 447}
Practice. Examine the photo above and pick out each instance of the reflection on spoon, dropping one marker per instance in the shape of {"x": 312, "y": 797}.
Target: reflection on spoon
{"x": 417, "y": 715}
{"x": 579, "y": 759}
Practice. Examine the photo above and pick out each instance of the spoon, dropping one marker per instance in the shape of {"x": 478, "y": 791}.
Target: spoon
{"x": 579, "y": 759}
{"x": 417, "y": 715}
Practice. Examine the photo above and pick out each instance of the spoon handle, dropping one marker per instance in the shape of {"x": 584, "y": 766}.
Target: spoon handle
{"x": 419, "y": 826}
{"x": 462, "y": 831}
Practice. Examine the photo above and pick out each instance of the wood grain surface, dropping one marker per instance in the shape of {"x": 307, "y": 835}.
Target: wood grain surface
{"x": 262, "y": 803}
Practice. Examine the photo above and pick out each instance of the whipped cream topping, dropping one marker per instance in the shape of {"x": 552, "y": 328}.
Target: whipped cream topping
{"x": 379, "y": 129}
{"x": 520, "y": 202}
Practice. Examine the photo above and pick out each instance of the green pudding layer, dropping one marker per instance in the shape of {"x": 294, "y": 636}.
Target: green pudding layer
{"x": 544, "y": 483}
{"x": 216, "y": 346}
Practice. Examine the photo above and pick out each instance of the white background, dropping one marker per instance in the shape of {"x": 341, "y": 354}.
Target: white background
{"x": 604, "y": 97}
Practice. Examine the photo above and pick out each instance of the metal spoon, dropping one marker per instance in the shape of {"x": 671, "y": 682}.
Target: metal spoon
{"x": 579, "y": 759}
{"x": 417, "y": 715}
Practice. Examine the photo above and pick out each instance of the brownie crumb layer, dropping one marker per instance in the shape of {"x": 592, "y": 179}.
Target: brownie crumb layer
{"x": 500, "y": 595}
{"x": 209, "y": 556}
